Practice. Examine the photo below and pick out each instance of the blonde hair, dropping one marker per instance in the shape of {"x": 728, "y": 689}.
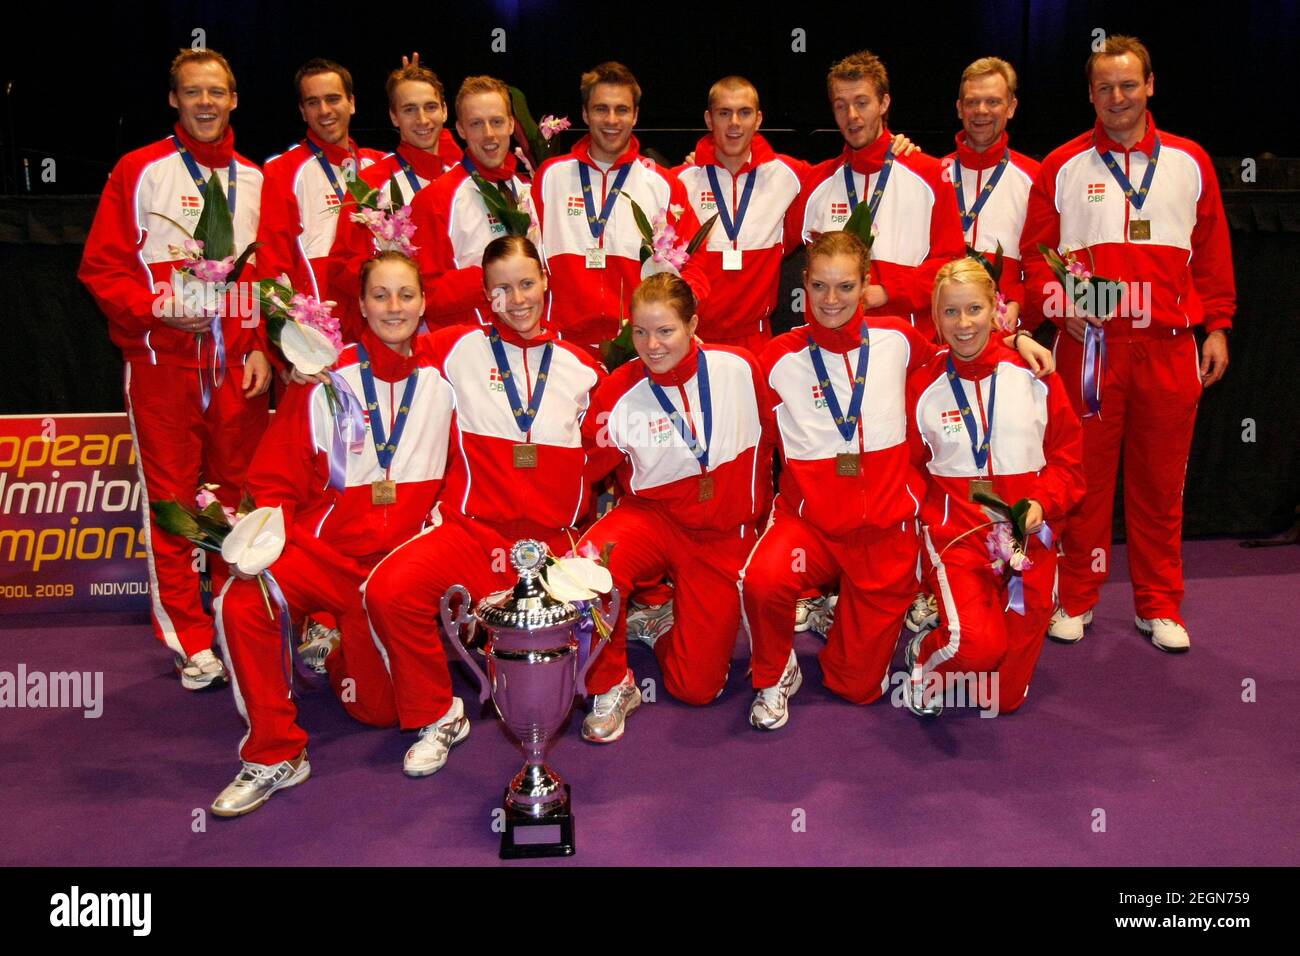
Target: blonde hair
{"x": 988, "y": 66}
{"x": 963, "y": 271}
{"x": 732, "y": 84}
{"x": 482, "y": 84}
{"x": 668, "y": 288}
{"x": 839, "y": 243}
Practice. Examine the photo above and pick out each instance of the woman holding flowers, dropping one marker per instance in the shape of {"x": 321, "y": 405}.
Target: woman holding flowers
{"x": 986, "y": 430}
{"x": 691, "y": 440}
{"x": 352, "y": 485}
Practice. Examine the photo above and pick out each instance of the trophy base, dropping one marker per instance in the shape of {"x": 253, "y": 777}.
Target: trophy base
{"x": 527, "y": 837}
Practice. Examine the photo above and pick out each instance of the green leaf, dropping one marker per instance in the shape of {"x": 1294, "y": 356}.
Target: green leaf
{"x": 1018, "y": 511}
{"x": 642, "y": 223}
{"x": 995, "y": 503}
{"x": 363, "y": 194}
{"x": 394, "y": 196}
{"x": 242, "y": 261}
{"x": 993, "y": 267}
{"x": 701, "y": 236}
{"x": 174, "y": 519}
{"x": 618, "y": 350}
{"x": 860, "y": 224}
{"x": 537, "y": 144}
{"x": 216, "y": 228}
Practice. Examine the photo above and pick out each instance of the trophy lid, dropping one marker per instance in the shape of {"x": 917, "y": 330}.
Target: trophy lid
{"x": 526, "y": 606}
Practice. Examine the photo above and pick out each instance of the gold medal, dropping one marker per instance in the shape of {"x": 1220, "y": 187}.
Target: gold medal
{"x": 383, "y": 492}
{"x": 1139, "y": 229}
{"x": 525, "y": 455}
{"x": 706, "y": 487}
{"x": 848, "y": 464}
{"x": 980, "y": 484}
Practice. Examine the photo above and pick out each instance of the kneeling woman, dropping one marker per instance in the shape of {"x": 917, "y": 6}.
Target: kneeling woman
{"x": 981, "y": 420}
{"x": 335, "y": 537}
{"x": 692, "y": 443}
{"x": 518, "y": 472}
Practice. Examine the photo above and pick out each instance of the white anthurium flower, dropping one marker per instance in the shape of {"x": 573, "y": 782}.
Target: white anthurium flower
{"x": 196, "y": 294}
{"x": 308, "y": 350}
{"x": 576, "y": 579}
{"x": 255, "y": 543}
{"x": 653, "y": 265}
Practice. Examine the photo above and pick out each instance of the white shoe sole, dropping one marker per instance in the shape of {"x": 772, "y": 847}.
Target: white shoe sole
{"x": 300, "y": 775}
{"x": 785, "y": 718}
{"x": 432, "y": 770}
{"x": 1149, "y": 634}
{"x": 636, "y": 702}
{"x": 205, "y": 683}
{"x": 1061, "y": 639}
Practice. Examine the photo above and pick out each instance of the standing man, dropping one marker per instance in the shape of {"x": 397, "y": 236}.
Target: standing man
{"x": 914, "y": 212}
{"x": 452, "y": 222}
{"x": 190, "y": 423}
{"x": 589, "y": 233}
{"x": 736, "y": 175}
{"x": 307, "y": 187}
{"x": 1142, "y": 207}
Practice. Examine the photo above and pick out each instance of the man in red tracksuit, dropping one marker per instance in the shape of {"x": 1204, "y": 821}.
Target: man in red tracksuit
{"x": 589, "y": 234}
{"x": 736, "y": 175}
{"x": 188, "y": 427}
{"x": 417, "y": 106}
{"x": 914, "y": 212}
{"x": 307, "y": 186}
{"x": 1142, "y": 207}
{"x": 452, "y": 222}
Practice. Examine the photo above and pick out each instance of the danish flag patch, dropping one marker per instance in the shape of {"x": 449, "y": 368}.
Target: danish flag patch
{"x": 839, "y": 212}
{"x": 819, "y": 398}
{"x": 331, "y": 200}
{"x": 1096, "y": 192}
{"x": 189, "y": 202}
{"x": 494, "y": 381}
{"x": 951, "y": 421}
{"x": 660, "y": 430}
{"x": 707, "y": 201}
{"x": 576, "y": 206}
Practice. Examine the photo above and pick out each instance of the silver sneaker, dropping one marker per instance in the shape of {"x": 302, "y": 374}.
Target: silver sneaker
{"x": 319, "y": 642}
{"x": 923, "y": 615}
{"x": 771, "y": 707}
{"x": 914, "y": 697}
{"x": 201, "y": 671}
{"x": 649, "y": 622}
{"x": 255, "y": 784}
{"x": 429, "y": 754}
{"x": 805, "y": 610}
{"x": 609, "y": 711}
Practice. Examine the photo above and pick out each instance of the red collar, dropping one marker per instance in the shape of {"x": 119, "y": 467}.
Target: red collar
{"x": 982, "y": 365}
{"x": 1144, "y": 145}
{"x": 582, "y": 150}
{"x": 869, "y": 159}
{"x": 448, "y": 148}
{"x": 760, "y": 152}
{"x": 337, "y": 155}
{"x": 970, "y": 159}
{"x": 210, "y": 155}
{"x": 545, "y": 334}
{"x": 682, "y": 372}
{"x": 844, "y": 339}
{"x": 498, "y": 175}
{"x": 426, "y": 165}
{"x": 386, "y": 364}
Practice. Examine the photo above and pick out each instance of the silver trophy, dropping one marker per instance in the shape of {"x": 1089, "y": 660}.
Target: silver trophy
{"x": 538, "y": 652}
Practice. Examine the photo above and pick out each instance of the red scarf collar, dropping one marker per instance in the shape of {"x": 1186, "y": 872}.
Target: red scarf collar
{"x": 582, "y": 150}
{"x": 970, "y": 159}
{"x": 211, "y": 155}
{"x": 386, "y": 364}
{"x": 760, "y": 151}
{"x": 336, "y": 155}
{"x": 982, "y": 365}
{"x": 1144, "y": 145}
{"x": 682, "y": 372}
{"x": 871, "y": 158}
{"x": 498, "y": 175}
{"x": 544, "y": 334}
{"x": 844, "y": 339}
{"x": 426, "y": 165}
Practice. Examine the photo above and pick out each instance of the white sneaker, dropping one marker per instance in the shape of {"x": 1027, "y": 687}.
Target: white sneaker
{"x": 649, "y": 622}
{"x": 923, "y": 615}
{"x": 256, "y": 782}
{"x": 1166, "y": 634}
{"x": 771, "y": 707}
{"x": 201, "y": 671}
{"x": 319, "y": 642}
{"x": 804, "y": 609}
{"x": 605, "y": 723}
{"x": 428, "y": 754}
{"x": 1065, "y": 629}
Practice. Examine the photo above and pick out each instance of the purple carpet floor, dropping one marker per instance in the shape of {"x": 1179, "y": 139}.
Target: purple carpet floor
{"x": 1123, "y": 755}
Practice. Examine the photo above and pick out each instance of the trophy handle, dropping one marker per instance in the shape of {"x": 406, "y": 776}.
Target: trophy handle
{"x": 609, "y": 615}
{"x": 453, "y": 623}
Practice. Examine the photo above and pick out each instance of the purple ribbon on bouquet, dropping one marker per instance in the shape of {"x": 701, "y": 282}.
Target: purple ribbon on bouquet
{"x": 1016, "y": 583}
{"x": 290, "y": 660}
{"x": 218, "y": 363}
{"x": 349, "y": 437}
{"x": 1094, "y": 365}
{"x": 585, "y": 631}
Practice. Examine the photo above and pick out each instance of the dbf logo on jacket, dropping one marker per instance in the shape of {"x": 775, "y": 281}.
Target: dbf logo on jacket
{"x": 494, "y": 381}
{"x": 707, "y": 201}
{"x": 576, "y": 206}
{"x": 819, "y": 397}
{"x": 839, "y": 212}
{"x": 191, "y": 206}
{"x": 1096, "y": 192}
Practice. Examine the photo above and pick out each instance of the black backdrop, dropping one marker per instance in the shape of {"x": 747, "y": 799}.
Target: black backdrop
{"x": 82, "y": 85}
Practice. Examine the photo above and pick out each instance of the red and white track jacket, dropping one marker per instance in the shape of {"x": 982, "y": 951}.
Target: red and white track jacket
{"x": 886, "y": 490}
{"x": 127, "y": 255}
{"x": 452, "y": 228}
{"x": 485, "y": 484}
{"x": 1076, "y": 204}
{"x": 291, "y": 467}
{"x": 587, "y": 301}
{"x": 1002, "y": 218}
{"x": 627, "y": 428}
{"x": 1036, "y": 449}
{"x": 353, "y": 243}
{"x": 300, "y": 211}
{"x": 740, "y": 302}
{"x": 917, "y": 226}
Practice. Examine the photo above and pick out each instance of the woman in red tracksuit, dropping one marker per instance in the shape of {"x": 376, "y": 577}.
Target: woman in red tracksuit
{"x": 849, "y": 492}
{"x": 980, "y": 419}
{"x": 334, "y": 537}
{"x": 692, "y": 445}
{"x": 518, "y": 472}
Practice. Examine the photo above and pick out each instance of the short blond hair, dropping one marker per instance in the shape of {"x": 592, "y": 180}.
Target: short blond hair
{"x": 732, "y": 84}
{"x": 963, "y": 271}
{"x": 863, "y": 65}
{"x": 473, "y": 85}
{"x": 1118, "y": 45}
{"x": 201, "y": 55}
{"x": 988, "y": 66}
